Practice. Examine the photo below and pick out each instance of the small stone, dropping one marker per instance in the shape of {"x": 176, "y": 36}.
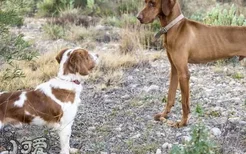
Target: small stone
{"x": 130, "y": 78}
{"x": 234, "y": 120}
{"x": 151, "y": 88}
{"x": 216, "y": 131}
{"x": 103, "y": 153}
{"x": 136, "y": 136}
{"x": 243, "y": 123}
{"x": 178, "y": 134}
{"x": 165, "y": 145}
{"x": 187, "y": 129}
{"x": 118, "y": 129}
{"x": 186, "y": 138}
{"x": 125, "y": 96}
{"x": 158, "y": 151}
{"x": 91, "y": 128}
{"x": 159, "y": 134}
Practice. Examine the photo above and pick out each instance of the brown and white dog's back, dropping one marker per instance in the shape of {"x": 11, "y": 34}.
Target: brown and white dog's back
{"x": 53, "y": 103}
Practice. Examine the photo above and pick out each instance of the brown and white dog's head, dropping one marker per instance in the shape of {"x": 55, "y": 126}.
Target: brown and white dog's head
{"x": 154, "y": 9}
{"x": 75, "y": 63}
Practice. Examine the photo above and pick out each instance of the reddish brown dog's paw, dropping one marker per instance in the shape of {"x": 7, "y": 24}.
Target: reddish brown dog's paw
{"x": 158, "y": 117}
{"x": 177, "y": 124}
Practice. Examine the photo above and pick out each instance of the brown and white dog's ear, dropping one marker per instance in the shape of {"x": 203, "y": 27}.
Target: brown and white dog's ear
{"x": 80, "y": 62}
{"x": 60, "y": 54}
{"x": 167, "y": 6}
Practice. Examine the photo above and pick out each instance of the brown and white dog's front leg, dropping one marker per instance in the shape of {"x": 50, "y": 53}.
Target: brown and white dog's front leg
{"x": 64, "y": 134}
{"x": 171, "y": 92}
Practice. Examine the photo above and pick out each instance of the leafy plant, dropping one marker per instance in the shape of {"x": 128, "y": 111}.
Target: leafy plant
{"x": 54, "y": 31}
{"x": 21, "y": 7}
{"x": 200, "y": 143}
{"x": 53, "y": 7}
{"x": 238, "y": 75}
{"x": 12, "y": 47}
{"x": 10, "y": 18}
{"x": 220, "y": 16}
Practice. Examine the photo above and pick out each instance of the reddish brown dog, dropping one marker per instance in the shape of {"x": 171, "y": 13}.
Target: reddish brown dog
{"x": 190, "y": 42}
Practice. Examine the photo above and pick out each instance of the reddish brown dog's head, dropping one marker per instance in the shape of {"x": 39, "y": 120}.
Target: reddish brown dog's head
{"x": 155, "y": 8}
{"x": 76, "y": 61}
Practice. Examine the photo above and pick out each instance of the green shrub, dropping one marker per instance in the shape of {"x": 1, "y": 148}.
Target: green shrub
{"x": 220, "y": 16}
{"x": 21, "y": 7}
{"x": 200, "y": 143}
{"x": 13, "y": 48}
{"x": 10, "y": 18}
{"x": 53, "y": 7}
{"x": 54, "y": 31}
{"x": 198, "y": 16}
{"x": 112, "y": 21}
{"x": 129, "y": 6}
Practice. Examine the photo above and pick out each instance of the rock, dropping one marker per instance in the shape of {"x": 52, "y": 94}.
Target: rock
{"x": 234, "y": 120}
{"x": 125, "y": 96}
{"x": 91, "y": 128}
{"x": 187, "y": 129}
{"x": 178, "y": 134}
{"x": 158, "y": 151}
{"x": 186, "y": 138}
{"x": 136, "y": 136}
{"x": 243, "y": 123}
{"x": 118, "y": 129}
{"x": 151, "y": 88}
{"x": 103, "y": 153}
{"x": 159, "y": 134}
{"x": 166, "y": 146}
{"x": 216, "y": 131}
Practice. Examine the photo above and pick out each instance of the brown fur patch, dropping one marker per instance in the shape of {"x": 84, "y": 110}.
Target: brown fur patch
{"x": 37, "y": 104}
{"x": 6, "y": 100}
{"x": 63, "y": 95}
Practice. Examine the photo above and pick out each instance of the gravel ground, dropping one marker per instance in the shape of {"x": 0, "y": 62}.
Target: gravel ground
{"x": 119, "y": 118}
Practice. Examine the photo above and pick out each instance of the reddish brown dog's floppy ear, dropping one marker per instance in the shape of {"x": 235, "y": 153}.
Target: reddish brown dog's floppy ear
{"x": 167, "y": 6}
{"x": 59, "y": 56}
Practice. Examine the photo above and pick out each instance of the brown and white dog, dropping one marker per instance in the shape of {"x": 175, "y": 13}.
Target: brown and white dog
{"x": 53, "y": 103}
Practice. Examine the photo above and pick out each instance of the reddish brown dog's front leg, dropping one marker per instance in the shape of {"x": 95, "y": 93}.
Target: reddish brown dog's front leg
{"x": 171, "y": 92}
{"x": 185, "y": 92}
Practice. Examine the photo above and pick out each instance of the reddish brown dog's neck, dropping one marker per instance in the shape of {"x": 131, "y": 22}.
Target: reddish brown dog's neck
{"x": 165, "y": 20}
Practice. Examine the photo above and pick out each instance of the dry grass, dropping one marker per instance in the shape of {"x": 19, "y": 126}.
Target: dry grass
{"x": 74, "y": 33}
{"x": 110, "y": 69}
{"x": 113, "y": 64}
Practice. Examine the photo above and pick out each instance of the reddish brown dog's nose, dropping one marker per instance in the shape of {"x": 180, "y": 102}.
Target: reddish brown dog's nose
{"x": 140, "y": 17}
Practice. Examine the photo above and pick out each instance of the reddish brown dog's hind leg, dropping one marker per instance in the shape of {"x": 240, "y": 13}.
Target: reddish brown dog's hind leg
{"x": 171, "y": 92}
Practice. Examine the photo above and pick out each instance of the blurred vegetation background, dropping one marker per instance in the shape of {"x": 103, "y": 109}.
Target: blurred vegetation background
{"x": 78, "y": 20}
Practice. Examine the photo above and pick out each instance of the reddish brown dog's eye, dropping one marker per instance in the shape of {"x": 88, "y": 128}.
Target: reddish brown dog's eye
{"x": 151, "y": 4}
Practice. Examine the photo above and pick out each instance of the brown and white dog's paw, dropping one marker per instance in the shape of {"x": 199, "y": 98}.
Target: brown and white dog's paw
{"x": 74, "y": 151}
